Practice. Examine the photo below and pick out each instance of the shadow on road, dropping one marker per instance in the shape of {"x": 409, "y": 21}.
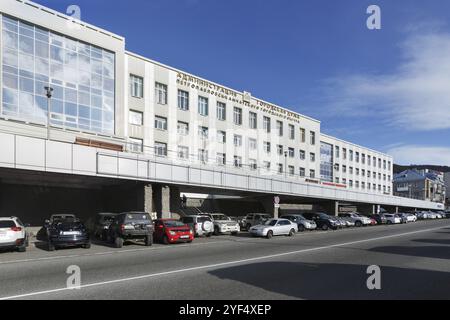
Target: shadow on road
{"x": 434, "y": 241}
{"x": 439, "y": 252}
{"x": 337, "y": 281}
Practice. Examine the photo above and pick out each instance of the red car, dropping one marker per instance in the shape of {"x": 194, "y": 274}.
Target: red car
{"x": 172, "y": 231}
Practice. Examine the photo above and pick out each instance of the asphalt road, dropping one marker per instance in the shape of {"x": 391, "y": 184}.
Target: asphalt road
{"x": 414, "y": 261}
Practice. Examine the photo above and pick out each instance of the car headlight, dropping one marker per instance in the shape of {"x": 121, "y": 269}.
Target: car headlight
{"x": 173, "y": 233}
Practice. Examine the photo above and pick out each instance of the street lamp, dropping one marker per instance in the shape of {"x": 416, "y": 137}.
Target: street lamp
{"x": 49, "y": 97}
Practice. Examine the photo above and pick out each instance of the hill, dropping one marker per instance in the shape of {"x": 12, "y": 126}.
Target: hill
{"x": 399, "y": 168}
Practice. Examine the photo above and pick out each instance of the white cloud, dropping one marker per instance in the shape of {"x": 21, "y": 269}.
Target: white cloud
{"x": 414, "y": 96}
{"x": 420, "y": 155}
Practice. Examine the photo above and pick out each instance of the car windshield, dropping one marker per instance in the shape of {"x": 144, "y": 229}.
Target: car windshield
{"x": 67, "y": 219}
{"x": 173, "y": 224}
{"x": 138, "y": 216}
{"x": 7, "y": 224}
{"x": 220, "y": 217}
{"x": 324, "y": 216}
{"x": 271, "y": 223}
{"x": 203, "y": 219}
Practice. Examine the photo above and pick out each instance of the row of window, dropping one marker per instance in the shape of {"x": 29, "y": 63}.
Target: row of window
{"x": 361, "y": 158}
{"x": 363, "y": 185}
{"x": 362, "y": 172}
{"x": 161, "y": 97}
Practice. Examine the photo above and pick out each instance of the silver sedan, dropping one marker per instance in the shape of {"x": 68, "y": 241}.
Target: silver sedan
{"x": 274, "y": 227}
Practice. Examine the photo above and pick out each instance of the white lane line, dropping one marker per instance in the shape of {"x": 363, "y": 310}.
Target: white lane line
{"x": 222, "y": 264}
{"x": 109, "y": 253}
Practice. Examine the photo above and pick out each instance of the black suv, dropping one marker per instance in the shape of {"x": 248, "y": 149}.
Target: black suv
{"x": 322, "y": 220}
{"x": 65, "y": 230}
{"x": 131, "y": 226}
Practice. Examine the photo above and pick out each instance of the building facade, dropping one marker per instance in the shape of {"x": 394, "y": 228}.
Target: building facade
{"x": 423, "y": 184}
{"x": 447, "y": 188}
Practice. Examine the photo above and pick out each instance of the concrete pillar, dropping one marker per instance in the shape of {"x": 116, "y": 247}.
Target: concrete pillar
{"x": 175, "y": 201}
{"x": 162, "y": 201}
{"x": 396, "y": 210}
{"x": 148, "y": 198}
{"x": 336, "y": 208}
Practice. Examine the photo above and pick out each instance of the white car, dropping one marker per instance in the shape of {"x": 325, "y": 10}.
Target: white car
{"x": 411, "y": 218}
{"x": 393, "y": 219}
{"x": 274, "y": 227}
{"x": 224, "y": 224}
{"x": 358, "y": 219}
{"x": 13, "y": 235}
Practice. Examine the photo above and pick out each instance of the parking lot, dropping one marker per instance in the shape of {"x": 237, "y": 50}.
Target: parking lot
{"x": 332, "y": 263}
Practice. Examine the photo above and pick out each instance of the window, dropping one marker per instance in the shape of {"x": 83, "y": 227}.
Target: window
{"x": 161, "y": 149}
{"x": 280, "y": 128}
{"x": 368, "y": 173}
{"x": 183, "y": 153}
{"x": 369, "y": 162}
{"x": 237, "y": 116}
{"x": 137, "y": 86}
{"x": 183, "y": 100}
{"x": 344, "y": 169}
{"x": 221, "y": 111}
{"x": 280, "y": 150}
{"x": 183, "y": 128}
{"x": 336, "y": 152}
{"x": 312, "y": 136}
{"x": 221, "y": 137}
{"x": 161, "y": 93}
{"x": 280, "y": 168}
{"x": 312, "y": 174}
{"x": 266, "y": 124}
{"x": 160, "y": 123}
{"x": 238, "y": 162}
{"x": 302, "y": 155}
{"x": 363, "y": 158}
{"x": 337, "y": 167}
{"x": 203, "y": 155}
{"x": 252, "y": 144}
{"x": 350, "y": 170}
{"x": 344, "y": 153}
{"x": 291, "y": 170}
{"x": 350, "y": 183}
{"x": 136, "y": 145}
{"x": 384, "y": 165}
{"x": 337, "y": 180}
{"x": 357, "y": 184}
{"x": 351, "y": 155}
{"x": 252, "y": 164}
{"x": 266, "y": 146}
{"x": 357, "y": 171}
{"x": 357, "y": 157}
{"x": 312, "y": 157}
{"x": 203, "y": 106}
{"x": 253, "y": 122}
{"x": 389, "y": 165}
{"x": 302, "y": 172}
{"x": 221, "y": 159}
{"x": 266, "y": 165}
{"x": 291, "y": 152}
{"x": 136, "y": 118}
{"x": 291, "y": 132}
{"x": 363, "y": 172}
{"x": 344, "y": 181}
{"x": 237, "y": 140}
{"x": 203, "y": 132}
{"x": 302, "y": 135}
{"x": 374, "y": 161}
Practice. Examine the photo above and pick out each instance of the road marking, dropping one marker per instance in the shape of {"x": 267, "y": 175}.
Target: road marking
{"x": 222, "y": 264}
{"x": 106, "y": 253}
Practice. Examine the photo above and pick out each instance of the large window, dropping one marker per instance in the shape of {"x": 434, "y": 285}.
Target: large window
{"x": 160, "y": 93}
{"x": 82, "y": 76}
{"x": 161, "y": 123}
{"x": 136, "y": 86}
{"x": 183, "y": 128}
{"x": 183, "y": 100}
{"x": 266, "y": 124}
{"x": 136, "y": 145}
{"x": 280, "y": 128}
{"x": 221, "y": 111}
{"x": 253, "y": 122}
{"x": 326, "y": 162}
{"x": 291, "y": 132}
{"x": 203, "y": 106}
{"x": 237, "y": 116}
{"x": 161, "y": 149}
{"x": 183, "y": 153}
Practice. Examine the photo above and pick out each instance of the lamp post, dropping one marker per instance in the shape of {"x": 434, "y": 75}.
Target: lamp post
{"x": 49, "y": 97}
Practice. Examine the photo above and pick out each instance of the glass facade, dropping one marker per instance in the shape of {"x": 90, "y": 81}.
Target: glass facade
{"x": 326, "y": 162}
{"x": 81, "y": 75}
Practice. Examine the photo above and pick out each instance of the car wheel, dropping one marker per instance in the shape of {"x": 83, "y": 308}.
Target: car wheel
{"x": 292, "y": 233}
{"x": 118, "y": 242}
{"x": 50, "y": 246}
{"x": 148, "y": 241}
{"x": 22, "y": 248}
{"x": 301, "y": 228}
{"x": 216, "y": 231}
{"x": 234, "y": 233}
{"x": 248, "y": 226}
{"x": 208, "y": 235}
{"x": 325, "y": 227}
{"x": 270, "y": 234}
{"x": 358, "y": 224}
{"x": 165, "y": 240}
{"x": 87, "y": 246}
{"x": 389, "y": 222}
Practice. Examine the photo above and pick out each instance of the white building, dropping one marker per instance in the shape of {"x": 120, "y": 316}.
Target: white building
{"x": 106, "y": 97}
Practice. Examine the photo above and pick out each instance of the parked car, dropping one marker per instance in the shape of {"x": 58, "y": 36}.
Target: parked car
{"x": 274, "y": 227}
{"x": 392, "y": 219}
{"x": 13, "y": 235}
{"x": 201, "y": 225}
{"x": 224, "y": 224}
{"x": 172, "y": 231}
{"x": 403, "y": 217}
{"x": 65, "y": 230}
{"x": 447, "y": 214}
{"x": 131, "y": 226}
{"x": 379, "y": 218}
{"x": 423, "y": 215}
{"x": 322, "y": 220}
{"x": 98, "y": 226}
{"x": 254, "y": 219}
{"x": 356, "y": 218}
{"x": 302, "y": 223}
{"x": 410, "y": 217}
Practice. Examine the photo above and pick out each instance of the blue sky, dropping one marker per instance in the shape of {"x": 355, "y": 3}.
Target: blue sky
{"x": 386, "y": 89}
